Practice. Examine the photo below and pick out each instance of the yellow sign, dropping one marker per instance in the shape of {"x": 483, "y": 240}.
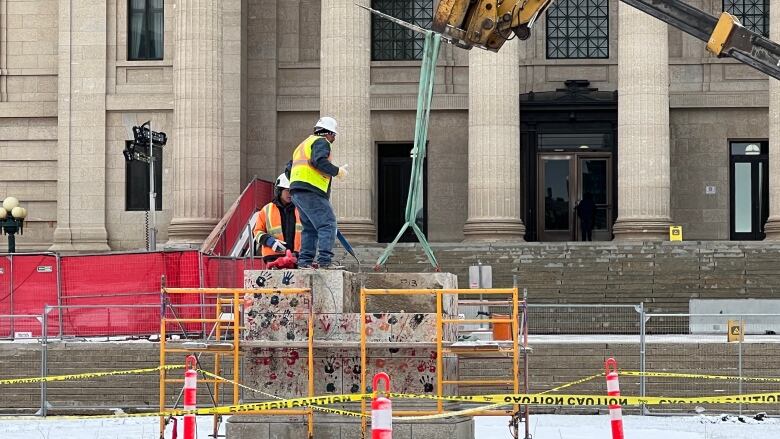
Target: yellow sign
{"x": 736, "y": 331}
{"x": 675, "y": 233}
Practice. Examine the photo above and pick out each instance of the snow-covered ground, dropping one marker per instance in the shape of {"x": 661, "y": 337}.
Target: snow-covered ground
{"x": 542, "y": 427}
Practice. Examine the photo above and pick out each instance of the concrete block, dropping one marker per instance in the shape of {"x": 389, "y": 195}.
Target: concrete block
{"x": 336, "y": 427}
{"x": 417, "y": 304}
{"x": 334, "y": 290}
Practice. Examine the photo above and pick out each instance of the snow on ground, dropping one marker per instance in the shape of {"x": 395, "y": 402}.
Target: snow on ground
{"x": 634, "y": 427}
{"x": 542, "y": 427}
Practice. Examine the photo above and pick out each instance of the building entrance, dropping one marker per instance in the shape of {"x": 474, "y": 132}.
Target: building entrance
{"x": 565, "y": 180}
{"x": 568, "y": 152}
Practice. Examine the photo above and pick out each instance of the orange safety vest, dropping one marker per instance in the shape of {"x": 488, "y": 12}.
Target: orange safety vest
{"x": 302, "y": 170}
{"x": 269, "y": 220}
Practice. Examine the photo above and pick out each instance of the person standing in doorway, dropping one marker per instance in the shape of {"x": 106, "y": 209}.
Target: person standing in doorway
{"x": 311, "y": 173}
{"x": 586, "y": 211}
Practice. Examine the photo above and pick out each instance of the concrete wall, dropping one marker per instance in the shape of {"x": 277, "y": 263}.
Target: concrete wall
{"x": 700, "y": 157}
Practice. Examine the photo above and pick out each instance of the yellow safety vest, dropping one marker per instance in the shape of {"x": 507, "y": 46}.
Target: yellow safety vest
{"x": 303, "y": 171}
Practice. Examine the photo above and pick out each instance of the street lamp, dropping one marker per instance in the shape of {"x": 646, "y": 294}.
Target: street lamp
{"x": 12, "y": 221}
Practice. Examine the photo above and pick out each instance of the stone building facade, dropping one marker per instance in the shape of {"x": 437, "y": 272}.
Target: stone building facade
{"x": 601, "y": 100}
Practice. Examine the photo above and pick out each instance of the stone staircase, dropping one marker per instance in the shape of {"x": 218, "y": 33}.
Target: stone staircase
{"x": 664, "y": 276}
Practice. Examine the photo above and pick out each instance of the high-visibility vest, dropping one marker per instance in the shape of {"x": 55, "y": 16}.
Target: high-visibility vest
{"x": 269, "y": 220}
{"x": 303, "y": 171}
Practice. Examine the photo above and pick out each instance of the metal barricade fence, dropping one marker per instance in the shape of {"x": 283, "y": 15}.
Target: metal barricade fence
{"x": 697, "y": 345}
{"x": 87, "y": 349}
{"x": 23, "y": 355}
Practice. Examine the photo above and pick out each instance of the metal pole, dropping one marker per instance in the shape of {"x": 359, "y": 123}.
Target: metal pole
{"x": 152, "y": 195}
{"x": 526, "y": 385}
{"x": 11, "y": 291}
{"x": 44, "y": 357}
{"x": 742, "y": 335}
{"x": 59, "y": 294}
{"x": 12, "y": 243}
{"x": 642, "y": 356}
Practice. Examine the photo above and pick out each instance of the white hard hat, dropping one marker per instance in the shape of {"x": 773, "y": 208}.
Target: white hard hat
{"x": 327, "y": 123}
{"x": 283, "y": 182}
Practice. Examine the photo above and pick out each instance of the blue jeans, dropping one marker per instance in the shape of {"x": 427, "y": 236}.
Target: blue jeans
{"x": 319, "y": 227}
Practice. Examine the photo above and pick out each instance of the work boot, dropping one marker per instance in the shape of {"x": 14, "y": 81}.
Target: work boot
{"x": 331, "y": 267}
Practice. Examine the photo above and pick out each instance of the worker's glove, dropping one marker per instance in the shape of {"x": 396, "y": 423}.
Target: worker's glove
{"x": 275, "y": 244}
{"x": 343, "y": 171}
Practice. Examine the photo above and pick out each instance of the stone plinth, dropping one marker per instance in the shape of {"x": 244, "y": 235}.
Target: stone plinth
{"x": 422, "y": 304}
{"x": 283, "y": 372}
{"x": 334, "y": 290}
{"x": 342, "y": 427}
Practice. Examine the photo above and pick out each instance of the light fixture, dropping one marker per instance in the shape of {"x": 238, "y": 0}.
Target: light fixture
{"x": 584, "y": 147}
{"x": 12, "y": 217}
{"x": 752, "y": 149}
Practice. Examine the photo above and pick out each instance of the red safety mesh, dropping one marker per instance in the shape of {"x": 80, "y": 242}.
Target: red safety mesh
{"x": 255, "y": 196}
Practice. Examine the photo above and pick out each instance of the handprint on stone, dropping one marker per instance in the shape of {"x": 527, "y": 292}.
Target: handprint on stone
{"x": 287, "y": 278}
{"x": 330, "y": 364}
{"x": 356, "y": 365}
{"x": 262, "y": 279}
{"x": 427, "y": 382}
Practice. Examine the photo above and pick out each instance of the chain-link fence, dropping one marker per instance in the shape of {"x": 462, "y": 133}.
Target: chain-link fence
{"x": 695, "y": 345}
{"x": 23, "y": 355}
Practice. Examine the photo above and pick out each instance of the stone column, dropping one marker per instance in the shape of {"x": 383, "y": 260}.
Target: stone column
{"x": 197, "y": 107}
{"x": 643, "y": 127}
{"x": 345, "y": 64}
{"x": 81, "y": 145}
{"x": 494, "y": 145}
{"x": 772, "y": 228}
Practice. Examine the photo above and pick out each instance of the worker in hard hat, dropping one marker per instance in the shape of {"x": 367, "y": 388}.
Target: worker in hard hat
{"x": 278, "y": 225}
{"x": 311, "y": 173}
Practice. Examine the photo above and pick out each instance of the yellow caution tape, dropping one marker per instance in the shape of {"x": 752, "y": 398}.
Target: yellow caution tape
{"x": 599, "y": 400}
{"x": 319, "y": 409}
{"x": 80, "y": 376}
{"x": 574, "y": 383}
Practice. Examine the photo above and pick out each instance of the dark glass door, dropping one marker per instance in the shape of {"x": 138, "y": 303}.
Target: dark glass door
{"x": 395, "y": 171}
{"x": 555, "y": 200}
{"x": 564, "y": 181}
{"x": 749, "y": 190}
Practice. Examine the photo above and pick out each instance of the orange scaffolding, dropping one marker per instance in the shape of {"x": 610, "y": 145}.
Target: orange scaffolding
{"x": 227, "y": 302}
{"x": 503, "y": 349}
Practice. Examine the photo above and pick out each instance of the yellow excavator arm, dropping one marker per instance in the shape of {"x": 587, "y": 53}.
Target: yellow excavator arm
{"x": 487, "y": 24}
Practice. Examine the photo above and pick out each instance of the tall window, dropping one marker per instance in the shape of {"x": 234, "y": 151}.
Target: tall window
{"x": 578, "y": 29}
{"x": 145, "y": 30}
{"x": 137, "y": 182}
{"x": 753, "y": 14}
{"x": 391, "y": 42}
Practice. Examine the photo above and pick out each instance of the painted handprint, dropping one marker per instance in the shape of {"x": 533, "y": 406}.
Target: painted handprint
{"x": 262, "y": 279}
{"x": 330, "y": 364}
{"x": 427, "y": 382}
{"x": 287, "y": 278}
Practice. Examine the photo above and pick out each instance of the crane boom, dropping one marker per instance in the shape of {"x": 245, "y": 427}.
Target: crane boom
{"x": 487, "y": 24}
